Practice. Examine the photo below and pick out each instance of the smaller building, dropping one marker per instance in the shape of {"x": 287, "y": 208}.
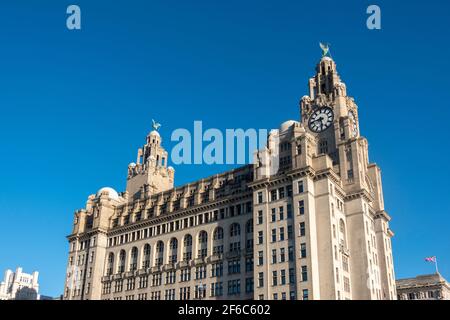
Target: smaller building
{"x": 423, "y": 287}
{"x": 19, "y": 285}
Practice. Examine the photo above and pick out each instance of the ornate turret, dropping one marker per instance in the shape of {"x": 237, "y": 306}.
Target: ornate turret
{"x": 150, "y": 174}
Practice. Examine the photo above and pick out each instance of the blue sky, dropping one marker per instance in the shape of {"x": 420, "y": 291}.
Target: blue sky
{"x": 76, "y": 105}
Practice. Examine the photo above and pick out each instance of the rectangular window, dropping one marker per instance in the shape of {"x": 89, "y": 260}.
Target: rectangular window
{"x": 301, "y": 207}
{"x": 303, "y": 250}
{"x": 274, "y": 278}
{"x": 273, "y": 195}
{"x": 274, "y": 235}
{"x": 304, "y": 273}
{"x": 289, "y": 190}
{"x": 260, "y": 258}
{"x": 302, "y": 229}
{"x": 305, "y": 294}
{"x": 281, "y": 214}
{"x": 282, "y": 234}
{"x": 260, "y": 197}
{"x": 261, "y": 279}
{"x": 300, "y": 187}
{"x": 281, "y": 193}
{"x": 274, "y": 215}
{"x": 260, "y": 237}
{"x": 289, "y": 210}
{"x": 274, "y": 256}
{"x": 260, "y": 217}
{"x": 282, "y": 255}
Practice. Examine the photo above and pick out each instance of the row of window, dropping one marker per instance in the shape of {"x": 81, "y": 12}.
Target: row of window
{"x": 280, "y": 193}
{"x": 200, "y": 291}
{"x": 234, "y": 230}
{"x": 223, "y": 213}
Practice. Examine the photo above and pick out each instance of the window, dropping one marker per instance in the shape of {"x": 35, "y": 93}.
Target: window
{"x": 260, "y": 197}
{"x": 283, "y": 277}
{"x": 261, "y": 279}
{"x": 274, "y": 256}
{"x": 323, "y": 146}
{"x": 282, "y": 255}
{"x": 300, "y": 187}
{"x": 305, "y": 294}
{"x": 248, "y": 264}
{"x": 260, "y": 217}
{"x": 218, "y": 234}
{"x": 134, "y": 257}
{"x": 273, "y": 195}
{"x": 274, "y": 235}
{"x": 274, "y": 215}
{"x": 291, "y": 276}
{"x": 217, "y": 269}
{"x": 249, "y": 285}
{"x": 260, "y": 258}
{"x": 274, "y": 278}
{"x": 122, "y": 257}
{"x": 281, "y": 214}
{"x": 304, "y": 273}
{"x": 216, "y": 289}
{"x": 289, "y": 190}
{"x": 289, "y": 210}
{"x": 346, "y": 284}
{"x": 234, "y": 266}
{"x": 281, "y": 193}
{"x": 301, "y": 207}
{"x": 303, "y": 250}
{"x": 234, "y": 287}
{"x": 260, "y": 237}
{"x": 146, "y": 260}
{"x": 291, "y": 253}
{"x": 290, "y": 232}
{"x": 235, "y": 230}
{"x": 282, "y": 234}
{"x": 302, "y": 229}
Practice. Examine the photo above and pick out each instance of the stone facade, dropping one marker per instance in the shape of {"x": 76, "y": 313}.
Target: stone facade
{"x": 19, "y": 285}
{"x": 306, "y": 221}
{"x": 424, "y": 287}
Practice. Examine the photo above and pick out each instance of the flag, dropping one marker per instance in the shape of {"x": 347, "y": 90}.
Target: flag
{"x": 430, "y": 259}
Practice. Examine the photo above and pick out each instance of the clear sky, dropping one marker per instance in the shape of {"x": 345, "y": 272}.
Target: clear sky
{"x": 76, "y": 105}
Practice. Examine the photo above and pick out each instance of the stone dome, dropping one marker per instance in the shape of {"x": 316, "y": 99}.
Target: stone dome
{"x": 112, "y": 194}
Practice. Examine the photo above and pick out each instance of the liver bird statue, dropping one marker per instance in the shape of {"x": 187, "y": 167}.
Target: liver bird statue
{"x": 155, "y": 125}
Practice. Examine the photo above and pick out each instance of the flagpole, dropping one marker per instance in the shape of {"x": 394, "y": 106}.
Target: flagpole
{"x": 436, "y": 265}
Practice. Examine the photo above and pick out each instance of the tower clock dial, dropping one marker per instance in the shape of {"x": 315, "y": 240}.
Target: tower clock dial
{"x": 321, "y": 119}
{"x": 354, "y": 126}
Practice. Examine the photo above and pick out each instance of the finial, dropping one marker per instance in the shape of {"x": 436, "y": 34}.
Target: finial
{"x": 155, "y": 125}
{"x": 325, "y": 49}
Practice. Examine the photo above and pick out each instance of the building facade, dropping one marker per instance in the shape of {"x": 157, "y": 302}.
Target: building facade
{"x": 305, "y": 221}
{"x": 423, "y": 287}
{"x": 19, "y": 285}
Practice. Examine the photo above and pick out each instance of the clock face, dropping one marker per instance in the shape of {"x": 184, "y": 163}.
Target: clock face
{"x": 321, "y": 119}
{"x": 354, "y": 128}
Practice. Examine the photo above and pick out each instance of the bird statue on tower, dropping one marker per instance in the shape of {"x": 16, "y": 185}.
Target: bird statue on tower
{"x": 155, "y": 125}
{"x": 325, "y": 49}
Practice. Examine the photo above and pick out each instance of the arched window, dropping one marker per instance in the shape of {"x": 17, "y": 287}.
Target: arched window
{"x": 110, "y": 268}
{"x": 203, "y": 237}
{"x": 187, "y": 240}
{"x": 134, "y": 259}
{"x": 122, "y": 257}
{"x": 173, "y": 246}
{"x": 159, "y": 253}
{"x": 235, "y": 230}
{"x": 218, "y": 233}
{"x": 187, "y": 247}
{"x": 203, "y": 244}
{"x": 146, "y": 259}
